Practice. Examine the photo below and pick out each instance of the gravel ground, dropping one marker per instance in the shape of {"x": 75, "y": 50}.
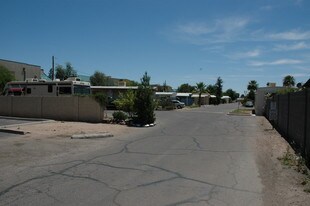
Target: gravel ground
{"x": 282, "y": 184}
{"x": 52, "y": 140}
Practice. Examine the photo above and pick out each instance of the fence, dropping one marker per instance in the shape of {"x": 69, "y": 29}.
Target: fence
{"x": 293, "y": 119}
{"x": 70, "y": 108}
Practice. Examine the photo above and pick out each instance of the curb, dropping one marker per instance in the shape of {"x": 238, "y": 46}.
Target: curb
{"x": 244, "y": 115}
{"x": 13, "y": 131}
{"x": 91, "y": 136}
{"x": 23, "y": 118}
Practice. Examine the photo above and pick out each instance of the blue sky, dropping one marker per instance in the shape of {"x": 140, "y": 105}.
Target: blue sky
{"x": 177, "y": 41}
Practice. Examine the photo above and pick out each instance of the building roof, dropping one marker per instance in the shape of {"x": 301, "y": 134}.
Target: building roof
{"x": 184, "y": 94}
{"x": 114, "y": 87}
{"x": 307, "y": 84}
{"x": 45, "y": 77}
{"x": 165, "y": 93}
{"x": 19, "y": 62}
{"x": 202, "y": 95}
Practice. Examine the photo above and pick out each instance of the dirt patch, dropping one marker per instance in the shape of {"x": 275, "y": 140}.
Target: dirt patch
{"x": 50, "y": 140}
{"x": 282, "y": 184}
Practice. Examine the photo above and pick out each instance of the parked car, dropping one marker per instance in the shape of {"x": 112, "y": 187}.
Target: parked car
{"x": 249, "y": 104}
{"x": 178, "y": 104}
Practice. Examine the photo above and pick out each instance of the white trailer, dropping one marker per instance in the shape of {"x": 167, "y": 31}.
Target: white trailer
{"x": 35, "y": 87}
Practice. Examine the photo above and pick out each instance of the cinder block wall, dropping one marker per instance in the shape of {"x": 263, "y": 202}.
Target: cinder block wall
{"x": 26, "y": 107}
{"x": 60, "y": 108}
{"x": 5, "y": 106}
{"x": 70, "y": 108}
{"x": 89, "y": 110}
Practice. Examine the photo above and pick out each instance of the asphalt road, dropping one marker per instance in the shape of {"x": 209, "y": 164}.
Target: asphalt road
{"x": 191, "y": 157}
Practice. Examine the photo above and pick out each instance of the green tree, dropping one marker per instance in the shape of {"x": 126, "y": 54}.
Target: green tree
{"x": 200, "y": 88}
{"x": 144, "y": 102}
{"x": 63, "y": 73}
{"x": 50, "y": 73}
{"x": 98, "y": 79}
{"x": 164, "y": 87}
{"x": 219, "y": 89}
{"x": 60, "y": 72}
{"x": 126, "y": 102}
{"x": 5, "y": 77}
{"x": 70, "y": 71}
{"x": 186, "y": 88}
{"x": 232, "y": 94}
{"x": 211, "y": 89}
{"x": 288, "y": 81}
{"x": 252, "y": 87}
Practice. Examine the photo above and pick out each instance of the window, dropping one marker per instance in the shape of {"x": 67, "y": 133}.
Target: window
{"x": 65, "y": 90}
{"x": 28, "y": 90}
{"x": 50, "y": 89}
{"x": 80, "y": 89}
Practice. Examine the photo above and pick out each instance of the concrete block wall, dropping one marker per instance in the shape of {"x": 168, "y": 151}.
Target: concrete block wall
{"x": 89, "y": 110}
{"x": 60, "y": 108}
{"x": 26, "y": 107}
{"x": 5, "y": 106}
{"x": 70, "y": 108}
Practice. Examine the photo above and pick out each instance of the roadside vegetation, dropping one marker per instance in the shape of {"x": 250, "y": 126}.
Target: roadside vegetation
{"x": 138, "y": 105}
{"x": 5, "y": 77}
{"x": 296, "y": 162}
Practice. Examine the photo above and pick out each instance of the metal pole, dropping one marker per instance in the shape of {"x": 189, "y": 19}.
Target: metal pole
{"x": 53, "y": 69}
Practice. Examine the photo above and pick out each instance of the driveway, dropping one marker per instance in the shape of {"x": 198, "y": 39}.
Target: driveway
{"x": 191, "y": 157}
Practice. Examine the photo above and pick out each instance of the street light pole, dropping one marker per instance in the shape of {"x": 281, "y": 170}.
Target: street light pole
{"x": 53, "y": 69}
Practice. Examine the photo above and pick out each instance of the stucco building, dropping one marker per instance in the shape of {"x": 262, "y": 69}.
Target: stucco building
{"x": 22, "y": 71}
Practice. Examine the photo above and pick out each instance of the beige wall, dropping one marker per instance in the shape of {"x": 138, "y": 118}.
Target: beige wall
{"x": 17, "y": 69}
{"x": 71, "y": 108}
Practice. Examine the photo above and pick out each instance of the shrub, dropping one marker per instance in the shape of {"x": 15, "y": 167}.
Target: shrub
{"x": 144, "y": 104}
{"x": 119, "y": 116}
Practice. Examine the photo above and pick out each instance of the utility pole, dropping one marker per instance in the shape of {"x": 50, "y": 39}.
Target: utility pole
{"x": 53, "y": 69}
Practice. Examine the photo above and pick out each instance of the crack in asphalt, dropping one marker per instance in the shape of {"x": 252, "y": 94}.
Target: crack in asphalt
{"x": 115, "y": 167}
{"x": 125, "y": 149}
{"x": 197, "y": 143}
{"x": 180, "y": 176}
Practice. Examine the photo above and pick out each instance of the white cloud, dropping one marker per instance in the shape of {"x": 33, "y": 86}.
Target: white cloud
{"x": 290, "y": 35}
{"x": 292, "y": 47}
{"x": 277, "y": 62}
{"x": 217, "y": 31}
{"x": 248, "y": 54}
{"x": 297, "y": 75}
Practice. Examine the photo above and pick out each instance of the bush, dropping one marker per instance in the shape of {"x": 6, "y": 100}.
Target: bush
{"x": 101, "y": 99}
{"x": 119, "y": 116}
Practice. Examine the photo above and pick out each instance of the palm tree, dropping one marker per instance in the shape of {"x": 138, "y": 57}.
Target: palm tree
{"x": 200, "y": 88}
{"x": 252, "y": 86}
{"x": 288, "y": 81}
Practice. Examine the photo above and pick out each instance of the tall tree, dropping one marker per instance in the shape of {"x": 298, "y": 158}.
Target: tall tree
{"x": 219, "y": 89}
{"x": 70, "y": 71}
{"x": 288, "y": 81}
{"x": 232, "y": 94}
{"x": 5, "y": 77}
{"x": 252, "y": 87}
{"x": 186, "y": 88}
{"x": 211, "y": 89}
{"x": 98, "y": 79}
{"x": 144, "y": 103}
{"x": 63, "y": 73}
{"x": 200, "y": 88}
{"x": 164, "y": 87}
{"x": 60, "y": 72}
